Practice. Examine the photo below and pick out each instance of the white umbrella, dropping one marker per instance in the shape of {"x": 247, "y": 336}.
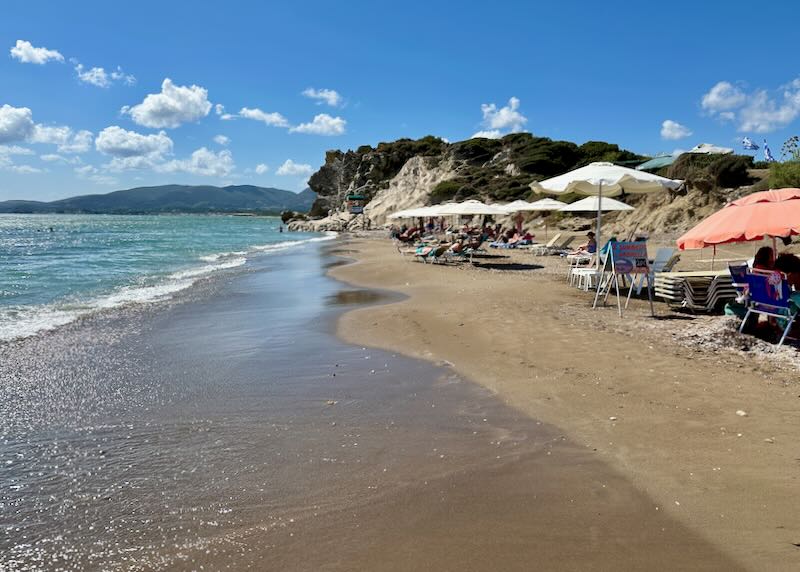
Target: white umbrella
{"x": 604, "y": 179}
{"x": 471, "y": 207}
{"x": 591, "y": 204}
{"x": 545, "y": 205}
{"x": 415, "y": 212}
{"x": 516, "y": 206}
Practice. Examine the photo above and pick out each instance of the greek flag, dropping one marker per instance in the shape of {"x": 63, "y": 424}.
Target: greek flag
{"x": 767, "y": 153}
{"x": 748, "y": 144}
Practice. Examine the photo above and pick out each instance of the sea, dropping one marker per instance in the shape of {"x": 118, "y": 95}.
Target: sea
{"x": 56, "y": 268}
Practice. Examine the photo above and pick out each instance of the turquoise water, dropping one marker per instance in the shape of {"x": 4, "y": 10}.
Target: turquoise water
{"x": 55, "y": 268}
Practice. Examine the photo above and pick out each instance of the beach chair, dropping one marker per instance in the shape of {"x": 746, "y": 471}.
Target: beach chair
{"x": 664, "y": 261}
{"x": 430, "y": 253}
{"x": 552, "y": 245}
{"x": 770, "y": 295}
{"x": 739, "y": 281}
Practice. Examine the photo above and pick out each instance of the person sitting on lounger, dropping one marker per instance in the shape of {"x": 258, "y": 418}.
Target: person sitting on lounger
{"x": 587, "y": 248}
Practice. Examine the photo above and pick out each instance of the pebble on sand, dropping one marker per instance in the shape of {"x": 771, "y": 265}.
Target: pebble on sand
{"x": 741, "y": 413}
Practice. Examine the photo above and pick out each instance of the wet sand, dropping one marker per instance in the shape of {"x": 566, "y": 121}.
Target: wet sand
{"x": 661, "y": 415}
{"x": 233, "y": 430}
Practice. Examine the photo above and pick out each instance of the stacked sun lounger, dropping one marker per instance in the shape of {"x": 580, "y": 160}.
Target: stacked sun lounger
{"x": 702, "y": 291}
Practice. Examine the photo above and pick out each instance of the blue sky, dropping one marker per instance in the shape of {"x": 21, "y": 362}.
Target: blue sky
{"x": 177, "y": 76}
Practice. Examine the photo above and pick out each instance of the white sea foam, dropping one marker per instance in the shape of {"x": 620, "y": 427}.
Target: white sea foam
{"x": 25, "y": 321}
{"x": 208, "y": 269}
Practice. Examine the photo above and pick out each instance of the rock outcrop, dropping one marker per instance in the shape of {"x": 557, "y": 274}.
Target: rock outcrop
{"x": 408, "y": 173}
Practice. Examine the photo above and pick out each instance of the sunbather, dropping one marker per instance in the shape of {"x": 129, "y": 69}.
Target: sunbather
{"x": 587, "y": 248}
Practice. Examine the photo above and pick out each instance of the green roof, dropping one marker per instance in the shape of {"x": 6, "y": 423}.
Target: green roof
{"x": 657, "y": 163}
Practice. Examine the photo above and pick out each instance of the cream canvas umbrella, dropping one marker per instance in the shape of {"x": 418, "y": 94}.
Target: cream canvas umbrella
{"x": 471, "y": 207}
{"x": 591, "y": 204}
{"x": 604, "y": 180}
{"x": 545, "y": 205}
{"x": 415, "y": 212}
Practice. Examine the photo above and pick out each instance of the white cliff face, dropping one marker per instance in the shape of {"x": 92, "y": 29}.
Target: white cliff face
{"x": 410, "y": 188}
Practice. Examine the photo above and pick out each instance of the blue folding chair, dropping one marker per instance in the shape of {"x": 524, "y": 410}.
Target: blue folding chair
{"x": 769, "y": 295}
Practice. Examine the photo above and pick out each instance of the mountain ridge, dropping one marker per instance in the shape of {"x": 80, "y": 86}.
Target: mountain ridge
{"x": 171, "y": 199}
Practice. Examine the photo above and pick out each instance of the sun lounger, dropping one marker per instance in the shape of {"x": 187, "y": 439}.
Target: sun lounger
{"x": 665, "y": 261}
{"x": 542, "y": 249}
{"x": 431, "y": 253}
{"x": 702, "y": 291}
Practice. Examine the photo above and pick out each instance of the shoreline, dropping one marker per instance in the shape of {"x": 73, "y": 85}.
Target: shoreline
{"x": 662, "y": 415}
{"x": 218, "y": 440}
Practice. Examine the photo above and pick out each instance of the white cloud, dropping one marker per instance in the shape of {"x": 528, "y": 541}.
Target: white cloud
{"x": 219, "y": 109}
{"x": 15, "y": 150}
{"x": 16, "y": 123}
{"x": 221, "y": 139}
{"x": 63, "y": 136}
{"x": 27, "y": 54}
{"x": 261, "y": 168}
{"x": 673, "y": 130}
{"x": 93, "y": 174}
{"x": 56, "y": 158}
{"x": 94, "y": 76}
{"x": 6, "y": 164}
{"x": 723, "y": 96}
{"x": 507, "y": 118}
{"x": 202, "y": 162}
{"x": 24, "y": 169}
{"x": 757, "y": 111}
{"x": 123, "y": 144}
{"x": 81, "y": 142}
{"x": 172, "y": 107}
{"x": 274, "y": 119}
{"x": 290, "y": 168}
{"x": 491, "y": 134}
{"x": 323, "y": 124}
{"x": 126, "y": 78}
{"x": 329, "y": 96}
{"x": 763, "y": 114}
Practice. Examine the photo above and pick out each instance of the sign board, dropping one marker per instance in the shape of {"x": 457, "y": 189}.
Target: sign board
{"x": 356, "y": 209}
{"x": 630, "y": 257}
{"x": 624, "y": 261}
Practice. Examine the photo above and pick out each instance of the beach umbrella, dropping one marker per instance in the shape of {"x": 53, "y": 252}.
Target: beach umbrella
{"x": 471, "y": 207}
{"x": 516, "y": 208}
{"x": 753, "y": 217}
{"x": 591, "y": 204}
{"x": 604, "y": 180}
{"x": 546, "y": 205}
{"x": 414, "y": 213}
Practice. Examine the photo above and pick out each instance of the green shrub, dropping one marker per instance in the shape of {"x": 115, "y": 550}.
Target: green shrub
{"x": 445, "y": 191}
{"x": 729, "y": 171}
{"x": 707, "y": 172}
{"x": 782, "y": 175}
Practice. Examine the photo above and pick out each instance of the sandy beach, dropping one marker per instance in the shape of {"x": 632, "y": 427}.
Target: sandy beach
{"x": 661, "y": 413}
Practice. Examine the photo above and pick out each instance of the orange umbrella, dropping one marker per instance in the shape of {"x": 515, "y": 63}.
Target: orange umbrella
{"x": 768, "y": 213}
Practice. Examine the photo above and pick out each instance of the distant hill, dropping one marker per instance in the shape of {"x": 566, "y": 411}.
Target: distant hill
{"x": 173, "y": 199}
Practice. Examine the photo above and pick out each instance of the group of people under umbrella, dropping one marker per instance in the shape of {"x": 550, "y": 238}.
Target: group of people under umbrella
{"x": 769, "y": 214}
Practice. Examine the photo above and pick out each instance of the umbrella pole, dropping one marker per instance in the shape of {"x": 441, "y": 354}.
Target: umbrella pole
{"x": 599, "y": 221}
